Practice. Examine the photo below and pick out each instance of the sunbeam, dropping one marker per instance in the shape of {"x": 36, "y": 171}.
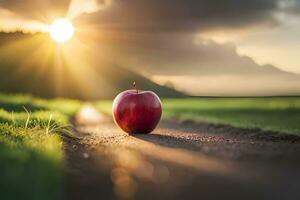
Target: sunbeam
{"x": 53, "y": 54}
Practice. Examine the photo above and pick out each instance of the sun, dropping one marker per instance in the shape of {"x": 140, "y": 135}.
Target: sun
{"x": 61, "y": 30}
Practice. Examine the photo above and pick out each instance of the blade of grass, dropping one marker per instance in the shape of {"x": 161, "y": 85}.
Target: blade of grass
{"x": 28, "y": 117}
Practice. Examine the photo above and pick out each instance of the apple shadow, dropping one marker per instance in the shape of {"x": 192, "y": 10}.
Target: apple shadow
{"x": 168, "y": 141}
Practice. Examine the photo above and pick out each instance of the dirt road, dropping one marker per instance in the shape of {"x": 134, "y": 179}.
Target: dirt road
{"x": 180, "y": 161}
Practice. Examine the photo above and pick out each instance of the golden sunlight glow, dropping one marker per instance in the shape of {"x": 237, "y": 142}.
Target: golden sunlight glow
{"x": 61, "y": 30}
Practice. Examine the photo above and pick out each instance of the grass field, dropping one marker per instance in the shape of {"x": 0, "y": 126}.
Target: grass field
{"x": 269, "y": 114}
{"x": 31, "y": 153}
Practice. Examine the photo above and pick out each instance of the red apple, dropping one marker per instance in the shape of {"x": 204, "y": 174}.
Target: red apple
{"x": 137, "y": 111}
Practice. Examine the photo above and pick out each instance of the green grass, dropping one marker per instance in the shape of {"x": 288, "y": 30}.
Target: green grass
{"x": 269, "y": 114}
{"x": 31, "y": 155}
{"x": 104, "y": 107}
{"x": 18, "y": 102}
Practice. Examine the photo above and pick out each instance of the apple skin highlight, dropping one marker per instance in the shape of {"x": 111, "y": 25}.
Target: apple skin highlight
{"x": 137, "y": 112}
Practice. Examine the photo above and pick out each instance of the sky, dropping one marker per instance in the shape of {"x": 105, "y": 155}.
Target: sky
{"x": 203, "y": 47}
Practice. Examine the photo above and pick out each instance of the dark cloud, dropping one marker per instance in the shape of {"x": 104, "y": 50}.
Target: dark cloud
{"x": 187, "y": 15}
{"x": 289, "y": 6}
{"x": 164, "y": 15}
{"x": 163, "y": 34}
{"x": 181, "y": 54}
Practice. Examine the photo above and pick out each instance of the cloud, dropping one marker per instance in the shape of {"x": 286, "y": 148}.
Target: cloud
{"x": 188, "y": 15}
{"x": 289, "y": 6}
{"x": 11, "y": 21}
{"x": 233, "y": 85}
{"x": 159, "y": 15}
{"x": 181, "y": 54}
{"x": 79, "y": 7}
{"x": 35, "y": 9}
{"x": 47, "y": 9}
{"x": 197, "y": 66}
{"x": 34, "y": 15}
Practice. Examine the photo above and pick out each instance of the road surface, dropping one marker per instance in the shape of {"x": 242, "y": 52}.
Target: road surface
{"x": 179, "y": 160}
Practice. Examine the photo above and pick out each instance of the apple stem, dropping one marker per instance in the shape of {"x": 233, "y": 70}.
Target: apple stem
{"x": 134, "y": 85}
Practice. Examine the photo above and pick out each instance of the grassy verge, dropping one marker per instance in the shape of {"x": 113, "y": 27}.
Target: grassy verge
{"x": 269, "y": 114}
{"x": 31, "y": 154}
